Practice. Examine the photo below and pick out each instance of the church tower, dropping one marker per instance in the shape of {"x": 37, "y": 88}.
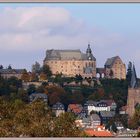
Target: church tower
{"x": 89, "y": 53}
{"x": 133, "y": 94}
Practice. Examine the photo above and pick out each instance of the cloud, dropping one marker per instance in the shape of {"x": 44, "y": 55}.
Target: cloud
{"x": 31, "y": 29}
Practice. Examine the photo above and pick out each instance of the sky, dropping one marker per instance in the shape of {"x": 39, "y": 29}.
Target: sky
{"x": 27, "y": 30}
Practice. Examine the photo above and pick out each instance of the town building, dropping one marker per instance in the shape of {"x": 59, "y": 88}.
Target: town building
{"x": 91, "y": 121}
{"x": 115, "y": 68}
{"x": 8, "y": 73}
{"x": 41, "y": 96}
{"x": 106, "y": 116}
{"x": 75, "y": 108}
{"x": 99, "y": 131}
{"x": 71, "y": 62}
{"x": 103, "y": 105}
{"x": 58, "y": 109}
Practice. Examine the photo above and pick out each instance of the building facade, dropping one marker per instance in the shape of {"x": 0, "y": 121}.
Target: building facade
{"x": 71, "y": 62}
{"x": 115, "y": 68}
{"x": 8, "y": 73}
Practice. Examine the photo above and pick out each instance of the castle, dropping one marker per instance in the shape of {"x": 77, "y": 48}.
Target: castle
{"x": 74, "y": 62}
{"x": 71, "y": 62}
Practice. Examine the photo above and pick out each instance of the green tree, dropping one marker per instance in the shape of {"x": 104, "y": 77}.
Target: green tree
{"x": 1, "y": 66}
{"x": 9, "y": 67}
{"x": 36, "y": 67}
{"x": 31, "y": 89}
{"x": 46, "y": 69}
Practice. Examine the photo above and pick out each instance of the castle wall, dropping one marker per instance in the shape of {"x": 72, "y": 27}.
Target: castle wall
{"x": 71, "y": 67}
{"x": 132, "y": 99}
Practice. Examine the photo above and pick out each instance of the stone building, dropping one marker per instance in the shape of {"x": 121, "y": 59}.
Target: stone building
{"x": 115, "y": 68}
{"x": 133, "y": 94}
{"x": 71, "y": 62}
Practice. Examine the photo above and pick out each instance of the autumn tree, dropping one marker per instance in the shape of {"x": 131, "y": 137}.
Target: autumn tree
{"x": 33, "y": 77}
{"x": 55, "y": 94}
{"x": 25, "y": 76}
{"x": 66, "y": 128}
{"x": 43, "y": 76}
{"x": 134, "y": 122}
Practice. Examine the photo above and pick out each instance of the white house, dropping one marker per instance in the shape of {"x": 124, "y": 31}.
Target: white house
{"x": 103, "y": 105}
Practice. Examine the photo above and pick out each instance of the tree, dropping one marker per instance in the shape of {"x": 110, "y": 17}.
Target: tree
{"x": 55, "y": 94}
{"x": 33, "y": 77}
{"x": 43, "y": 76}
{"x": 25, "y": 76}
{"x": 134, "y": 122}
{"x": 78, "y": 78}
{"x": 1, "y": 66}
{"x": 66, "y": 128}
{"x": 46, "y": 70}
{"x": 9, "y": 67}
{"x": 31, "y": 89}
{"x": 36, "y": 67}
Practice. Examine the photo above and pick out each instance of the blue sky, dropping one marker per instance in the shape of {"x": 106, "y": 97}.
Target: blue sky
{"x": 28, "y": 30}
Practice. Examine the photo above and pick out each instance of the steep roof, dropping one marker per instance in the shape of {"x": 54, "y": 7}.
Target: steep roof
{"x": 36, "y": 96}
{"x": 67, "y": 55}
{"x": 110, "y": 61}
{"x": 76, "y": 108}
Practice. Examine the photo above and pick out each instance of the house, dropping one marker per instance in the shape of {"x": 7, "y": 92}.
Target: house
{"x": 122, "y": 110}
{"x": 91, "y": 105}
{"x": 119, "y": 125}
{"x": 127, "y": 133}
{"x": 91, "y": 121}
{"x": 111, "y": 104}
{"x": 75, "y": 108}
{"x": 82, "y": 114}
{"x": 8, "y": 73}
{"x": 58, "y": 108}
{"x": 34, "y": 96}
{"x": 106, "y": 116}
{"x": 95, "y": 120}
{"x": 99, "y": 131}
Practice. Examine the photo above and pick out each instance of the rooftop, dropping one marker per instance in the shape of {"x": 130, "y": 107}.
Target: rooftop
{"x": 96, "y": 133}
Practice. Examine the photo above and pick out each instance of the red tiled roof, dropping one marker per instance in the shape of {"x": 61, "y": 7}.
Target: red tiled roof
{"x": 103, "y": 133}
{"x": 76, "y": 108}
